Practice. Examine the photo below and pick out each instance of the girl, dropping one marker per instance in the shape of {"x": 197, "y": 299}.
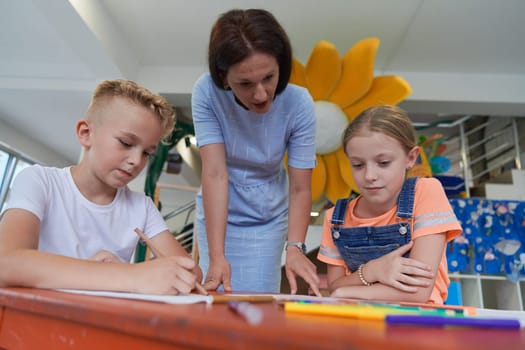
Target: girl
{"x": 389, "y": 242}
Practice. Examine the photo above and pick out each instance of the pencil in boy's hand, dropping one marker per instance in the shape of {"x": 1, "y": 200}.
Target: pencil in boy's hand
{"x": 158, "y": 254}
{"x": 201, "y": 289}
{"x": 149, "y": 243}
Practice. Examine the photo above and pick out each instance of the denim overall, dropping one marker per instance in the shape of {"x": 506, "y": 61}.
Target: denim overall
{"x": 358, "y": 245}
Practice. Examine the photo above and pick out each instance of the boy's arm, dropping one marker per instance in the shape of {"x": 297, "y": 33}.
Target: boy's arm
{"x": 21, "y": 264}
{"x": 18, "y": 229}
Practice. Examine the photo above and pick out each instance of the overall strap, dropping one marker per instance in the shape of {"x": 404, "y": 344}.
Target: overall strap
{"x": 338, "y": 217}
{"x": 405, "y": 201}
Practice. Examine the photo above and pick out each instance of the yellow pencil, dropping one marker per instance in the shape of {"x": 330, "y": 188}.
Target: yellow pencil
{"x": 369, "y": 312}
{"x": 159, "y": 254}
{"x": 352, "y": 311}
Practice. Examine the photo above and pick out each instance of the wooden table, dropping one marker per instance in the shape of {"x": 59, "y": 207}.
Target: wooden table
{"x": 46, "y": 319}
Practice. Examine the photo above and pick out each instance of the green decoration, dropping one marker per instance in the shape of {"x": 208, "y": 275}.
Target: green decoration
{"x": 155, "y": 166}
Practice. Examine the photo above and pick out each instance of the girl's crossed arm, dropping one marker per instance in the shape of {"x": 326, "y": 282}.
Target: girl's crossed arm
{"x": 393, "y": 277}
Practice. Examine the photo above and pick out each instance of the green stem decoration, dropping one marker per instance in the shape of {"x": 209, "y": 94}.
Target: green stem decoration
{"x": 155, "y": 166}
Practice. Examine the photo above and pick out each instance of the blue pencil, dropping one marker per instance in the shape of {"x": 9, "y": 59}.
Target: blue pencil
{"x": 444, "y": 321}
{"x": 251, "y": 313}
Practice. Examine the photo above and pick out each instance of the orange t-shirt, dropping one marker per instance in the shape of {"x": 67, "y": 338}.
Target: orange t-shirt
{"x": 432, "y": 214}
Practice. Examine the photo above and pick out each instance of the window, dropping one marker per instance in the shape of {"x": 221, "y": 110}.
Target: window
{"x": 11, "y": 163}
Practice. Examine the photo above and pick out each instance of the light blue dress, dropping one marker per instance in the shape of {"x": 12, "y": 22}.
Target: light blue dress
{"x": 258, "y": 183}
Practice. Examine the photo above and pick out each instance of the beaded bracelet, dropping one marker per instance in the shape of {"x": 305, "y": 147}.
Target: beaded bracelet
{"x": 362, "y": 277}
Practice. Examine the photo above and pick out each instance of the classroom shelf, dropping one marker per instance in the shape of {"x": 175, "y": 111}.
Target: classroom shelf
{"x": 490, "y": 291}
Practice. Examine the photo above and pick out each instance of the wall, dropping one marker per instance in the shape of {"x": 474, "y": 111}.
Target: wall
{"x": 30, "y": 148}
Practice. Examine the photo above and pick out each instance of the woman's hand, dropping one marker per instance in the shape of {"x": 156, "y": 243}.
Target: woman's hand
{"x": 219, "y": 272}
{"x": 298, "y": 264}
{"x": 402, "y": 273}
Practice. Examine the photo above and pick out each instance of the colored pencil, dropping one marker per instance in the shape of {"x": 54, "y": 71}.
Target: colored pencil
{"x": 442, "y": 321}
{"x": 466, "y": 310}
{"x": 224, "y": 298}
{"x": 365, "y": 311}
{"x": 251, "y": 313}
{"x": 400, "y": 315}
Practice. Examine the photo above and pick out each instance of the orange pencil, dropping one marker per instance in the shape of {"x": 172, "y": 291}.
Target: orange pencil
{"x": 466, "y": 310}
{"x": 158, "y": 254}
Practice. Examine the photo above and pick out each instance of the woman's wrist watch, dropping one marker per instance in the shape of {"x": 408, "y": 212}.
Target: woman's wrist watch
{"x": 300, "y": 245}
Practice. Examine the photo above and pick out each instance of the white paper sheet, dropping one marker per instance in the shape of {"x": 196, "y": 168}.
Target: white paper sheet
{"x": 169, "y": 299}
{"x": 505, "y": 314}
{"x": 197, "y": 298}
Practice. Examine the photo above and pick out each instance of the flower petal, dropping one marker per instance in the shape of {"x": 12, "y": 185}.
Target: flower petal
{"x": 385, "y": 89}
{"x": 323, "y": 70}
{"x": 335, "y": 186}
{"x": 318, "y": 179}
{"x": 357, "y": 73}
{"x": 345, "y": 169}
{"x": 298, "y": 75}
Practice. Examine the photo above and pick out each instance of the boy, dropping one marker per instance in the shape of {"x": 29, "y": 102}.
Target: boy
{"x": 73, "y": 227}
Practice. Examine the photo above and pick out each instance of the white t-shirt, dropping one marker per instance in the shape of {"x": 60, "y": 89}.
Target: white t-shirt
{"x": 73, "y": 226}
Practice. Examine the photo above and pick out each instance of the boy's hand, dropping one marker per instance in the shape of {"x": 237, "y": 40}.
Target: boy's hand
{"x": 105, "y": 256}
{"x": 166, "y": 275}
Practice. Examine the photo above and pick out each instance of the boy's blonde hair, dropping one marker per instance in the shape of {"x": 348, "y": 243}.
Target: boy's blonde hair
{"x": 386, "y": 119}
{"x": 137, "y": 94}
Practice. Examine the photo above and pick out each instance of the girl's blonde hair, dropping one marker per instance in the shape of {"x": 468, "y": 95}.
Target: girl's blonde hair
{"x": 386, "y": 119}
{"x": 137, "y": 94}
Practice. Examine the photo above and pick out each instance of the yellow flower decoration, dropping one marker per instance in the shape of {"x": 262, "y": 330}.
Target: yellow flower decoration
{"x": 341, "y": 89}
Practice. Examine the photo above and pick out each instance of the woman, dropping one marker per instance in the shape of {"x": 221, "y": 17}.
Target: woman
{"x": 246, "y": 118}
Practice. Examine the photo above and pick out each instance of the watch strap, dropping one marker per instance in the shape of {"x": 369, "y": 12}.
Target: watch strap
{"x": 300, "y": 245}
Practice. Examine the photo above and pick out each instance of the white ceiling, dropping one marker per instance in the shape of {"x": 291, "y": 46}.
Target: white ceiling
{"x": 460, "y": 56}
